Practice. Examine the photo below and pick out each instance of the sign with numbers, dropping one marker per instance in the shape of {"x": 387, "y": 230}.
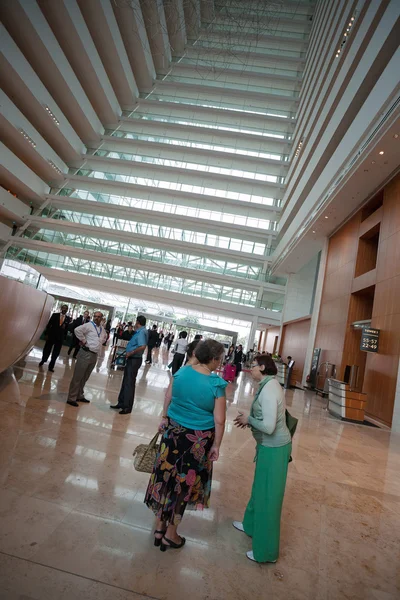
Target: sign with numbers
{"x": 369, "y": 339}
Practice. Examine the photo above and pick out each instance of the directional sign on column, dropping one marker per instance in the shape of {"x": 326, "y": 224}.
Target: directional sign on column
{"x": 369, "y": 339}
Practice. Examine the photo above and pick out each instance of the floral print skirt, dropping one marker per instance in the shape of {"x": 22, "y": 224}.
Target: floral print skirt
{"x": 182, "y": 473}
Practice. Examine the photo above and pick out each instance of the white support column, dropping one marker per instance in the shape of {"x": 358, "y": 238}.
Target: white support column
{"x": 316, "y": 310}
{"x": 252, "y": 334}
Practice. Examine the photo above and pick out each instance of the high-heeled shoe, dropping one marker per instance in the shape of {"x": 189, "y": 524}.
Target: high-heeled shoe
{"x": 157, "y": 541}
{"x": 171, "y": 544}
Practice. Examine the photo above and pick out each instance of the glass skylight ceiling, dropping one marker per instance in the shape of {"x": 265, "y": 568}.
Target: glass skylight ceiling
{"x": 207, "y": 150}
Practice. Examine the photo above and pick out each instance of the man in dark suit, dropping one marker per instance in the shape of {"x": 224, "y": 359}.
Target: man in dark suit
{"x": 85, "y": 318}
{"x": 55, "y": 333}
{"x": 153, "y": 338}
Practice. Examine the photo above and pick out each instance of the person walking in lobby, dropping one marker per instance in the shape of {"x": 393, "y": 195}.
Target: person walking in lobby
{"x": 91, "y": 336}
{"x": 134, "y": 353}
{"x": 180, "y": 351}
{"x": 267, "y": 421}
{"x": 193, "y": 425}
{"x": 75, "y": 344}
{"x": 152, "y": 343}
{"x": 55, "y": 333}
{"x": 238, "y": 357}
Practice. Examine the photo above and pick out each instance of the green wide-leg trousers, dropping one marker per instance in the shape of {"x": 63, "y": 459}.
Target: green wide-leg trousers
{"x": 262, "y": 519}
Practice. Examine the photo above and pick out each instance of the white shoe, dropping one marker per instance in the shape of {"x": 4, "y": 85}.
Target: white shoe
{"x": 250, "y": 556}
{"x": 238, "y": 525}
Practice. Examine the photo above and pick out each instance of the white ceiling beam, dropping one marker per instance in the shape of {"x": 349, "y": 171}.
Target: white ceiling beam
{"x": 130, "y": 21}
{"x": 11, "y": 208}
{"x": 192, "y": 18}
{"x": 119, "y": 211}
{"x": 149, "y": 241}
{"x": 28, "y": 26}
{"x": 23, "y": 86}
{"x": 229, "y": 160}
{"x": 149, "y": 266}
{"x": 226, "y": 94}
{"x": 157, "y": 33}
{"x": 69, "y": 26}
{"x": 20, "y": 179}
{"x": 175, "y": 18}
{"x": 236, "y": 207}
{"x": 27, "y": 143}
{"x": 207, "y": 11}
{"x": 181, "y": 175}
{"x": 103, "y": 27}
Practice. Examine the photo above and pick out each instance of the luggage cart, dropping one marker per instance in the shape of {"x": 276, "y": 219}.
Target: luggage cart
{"x": 118, "y": 355}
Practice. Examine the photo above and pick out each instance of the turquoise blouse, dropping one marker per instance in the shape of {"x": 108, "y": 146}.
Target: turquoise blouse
{"x": 193, "y": 398}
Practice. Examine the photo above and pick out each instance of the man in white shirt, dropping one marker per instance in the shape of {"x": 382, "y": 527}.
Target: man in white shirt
{"x": 91, "y": 336}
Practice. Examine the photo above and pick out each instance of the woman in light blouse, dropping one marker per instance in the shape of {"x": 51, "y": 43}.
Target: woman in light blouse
{"x": 267, "y": 421}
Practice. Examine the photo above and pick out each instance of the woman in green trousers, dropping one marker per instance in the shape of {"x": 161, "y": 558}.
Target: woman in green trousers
{"x": 268, "y": 424}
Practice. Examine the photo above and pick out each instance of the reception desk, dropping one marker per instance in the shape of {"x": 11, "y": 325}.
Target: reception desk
{"x": 344, "y": 402}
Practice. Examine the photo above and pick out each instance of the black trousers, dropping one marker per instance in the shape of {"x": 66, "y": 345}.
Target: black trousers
{"x": 177, "y": 362}
{"x": 127, "y": 392}
{"x": 74, "y": 344}
{"x": 149, "y": 351}
{"x": 50, "y": 344}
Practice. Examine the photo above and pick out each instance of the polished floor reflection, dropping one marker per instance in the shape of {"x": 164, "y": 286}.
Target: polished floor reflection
{"x": 73, "y": 524}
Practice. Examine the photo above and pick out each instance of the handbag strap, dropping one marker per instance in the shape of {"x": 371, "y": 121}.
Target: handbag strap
{"x": 153, "y": 441}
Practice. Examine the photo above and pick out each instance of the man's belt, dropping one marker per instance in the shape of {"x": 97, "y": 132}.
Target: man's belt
{"x": 86, "y": 349}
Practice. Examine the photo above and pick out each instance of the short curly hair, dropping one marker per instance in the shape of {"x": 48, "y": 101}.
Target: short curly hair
{"x": 207, "y": 350}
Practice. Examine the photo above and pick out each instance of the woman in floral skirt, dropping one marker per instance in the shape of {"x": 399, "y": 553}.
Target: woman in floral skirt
{"x": 193, "y": 425}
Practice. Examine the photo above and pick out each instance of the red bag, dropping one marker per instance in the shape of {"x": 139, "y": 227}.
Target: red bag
{"x": 229, "y": 372}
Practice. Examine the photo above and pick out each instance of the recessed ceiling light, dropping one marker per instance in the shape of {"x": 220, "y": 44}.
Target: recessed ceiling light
{"x": 372, "y": 162}
{"x": 314, "y": 231}
{"x": 326, "y": 217}
{"x": 396, "y": 135}
{"x": 381, "y": 152}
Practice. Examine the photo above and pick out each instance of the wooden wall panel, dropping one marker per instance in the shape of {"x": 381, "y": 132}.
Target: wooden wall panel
{"x": 339, "y": 308}
{"x": 381, "y": 368}
{"x": 294, "y": 343}
{"x": 272, "y": 333}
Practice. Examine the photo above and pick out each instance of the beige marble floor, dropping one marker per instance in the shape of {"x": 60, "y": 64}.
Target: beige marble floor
{"x": 73, "y": 524}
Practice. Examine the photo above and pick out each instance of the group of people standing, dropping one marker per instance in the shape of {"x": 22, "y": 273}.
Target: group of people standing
{"x": 192, "y": 428}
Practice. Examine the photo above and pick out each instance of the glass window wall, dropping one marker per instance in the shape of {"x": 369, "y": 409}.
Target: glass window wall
{"x": 163, "y": 96}
{"x": 161, "y": 231}
{"x": 138, "y": 277}
{"x": 170, "y": 207}
{"x": 206, "y": 125}
{"x": 173, "y": 185}
{"x": 147, "y": 137}
{"x": 149, "y": 253}
{"x": 180, "y": 164}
